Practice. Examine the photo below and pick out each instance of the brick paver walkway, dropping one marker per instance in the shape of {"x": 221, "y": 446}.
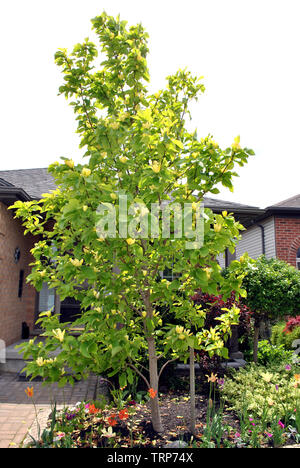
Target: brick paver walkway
{"x": 17, "y": 413}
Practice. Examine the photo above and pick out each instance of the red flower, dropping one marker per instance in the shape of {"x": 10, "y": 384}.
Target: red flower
{"x": 152, "y": 393}
{"x": 123, "y": 414}
{"x": 93, "y": 409}
{"x": 112, "y": 420}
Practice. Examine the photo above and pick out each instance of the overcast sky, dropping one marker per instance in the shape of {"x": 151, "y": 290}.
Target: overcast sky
{"x": 247, "y": 51}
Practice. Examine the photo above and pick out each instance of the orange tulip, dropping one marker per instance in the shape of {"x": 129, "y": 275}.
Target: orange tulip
{"x": 112, "y": 420}
{"x": 29, "y": 392}
{"x": 93, "y": 409}
{"x": 123, "y": 414}
{"x": 152, "y": 392}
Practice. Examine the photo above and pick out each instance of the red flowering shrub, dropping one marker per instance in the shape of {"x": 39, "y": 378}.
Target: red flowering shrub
{"x": 213, "y": 306}
{"x": 291, "y": 324}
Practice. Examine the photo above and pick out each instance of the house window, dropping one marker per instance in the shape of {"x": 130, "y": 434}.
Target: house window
{"x": 46, "y": 298}
{"x": 298, "y": 259}
{"x": 21, "y": 282}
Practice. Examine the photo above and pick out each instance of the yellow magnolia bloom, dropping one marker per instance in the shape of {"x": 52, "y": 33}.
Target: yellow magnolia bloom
{"x": 40, "y": 361}
{"x": 155, "y": 167}
{"x": 86, "y": 172}
{"x": 236, "y": 144}
{"x": 70, "y": 163}
{"x": 115, "y": 125}
{"x": 75, "y": 262}
{"x": 59, "y": 334}
{"x": 217, "y": 227}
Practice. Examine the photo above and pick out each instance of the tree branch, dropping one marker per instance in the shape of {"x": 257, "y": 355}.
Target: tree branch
{"x": 165, "y": 365}
{"x": 140, "y": 374}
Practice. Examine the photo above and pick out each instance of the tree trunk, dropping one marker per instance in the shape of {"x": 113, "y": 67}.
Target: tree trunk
{"x": 192, "y": 392}
{"x": 155, "y": 411}
{"x": 255, "y": 340}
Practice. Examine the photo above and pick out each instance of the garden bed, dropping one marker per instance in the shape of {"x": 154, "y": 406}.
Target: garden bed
{"x": 86, "y": 426}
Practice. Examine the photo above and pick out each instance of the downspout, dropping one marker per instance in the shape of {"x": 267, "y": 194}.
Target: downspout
{"x": 263, "y": 239}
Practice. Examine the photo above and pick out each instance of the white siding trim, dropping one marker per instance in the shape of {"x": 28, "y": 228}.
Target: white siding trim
{"x": 251, "y": 241}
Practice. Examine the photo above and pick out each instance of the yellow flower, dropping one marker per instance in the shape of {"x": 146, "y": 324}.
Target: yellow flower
{"x": 155, "y": 167}
{"x": 123, "y": 159}
{"x": 179, "y": 329}
{"x": 59, "y": 334}
{"x": 86, "y": 172}
{"x": 115, "y": 125}
{"x": 208, "y": 272}
{"x": 113, "y": 196}
{"x": 75, "y": 262}
{"x": 40, "y": 361}
{"x": 85, "y": 207}
{"x": 70, "y": 163}
{"x": 130, "y": 241}
{"x": 103, "y": 154}
{"x": 217, "y": 227}
{"x": 181, "y": 336}
{"x": 236, "y": 144}
{"x": 144, "y": 314}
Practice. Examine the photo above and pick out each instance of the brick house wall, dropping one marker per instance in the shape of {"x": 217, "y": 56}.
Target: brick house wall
{"x": 13, "y": 309}
{"x": 287, "y": 232}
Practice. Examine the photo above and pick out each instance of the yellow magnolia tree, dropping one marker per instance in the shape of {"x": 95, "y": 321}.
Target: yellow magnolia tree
{"x": 131, "y": 211}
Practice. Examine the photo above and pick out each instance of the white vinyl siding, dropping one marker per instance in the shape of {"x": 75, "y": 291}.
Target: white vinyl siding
{"x": 221, "y": 260}
{"x": 251, "y": 241}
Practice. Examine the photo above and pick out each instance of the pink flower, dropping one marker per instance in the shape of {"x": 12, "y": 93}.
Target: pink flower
{"x": 287, "y": 367}
{"x": 281, "y": 424}
{"x": 268, "y": 434}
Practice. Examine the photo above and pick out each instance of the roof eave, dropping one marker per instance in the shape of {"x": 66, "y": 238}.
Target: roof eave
{"x": 9, "y": 195}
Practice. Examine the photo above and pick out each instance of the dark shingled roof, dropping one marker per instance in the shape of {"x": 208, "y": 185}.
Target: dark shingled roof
{"x": 34, "y": 182}
{"x": 222, "y": 204}
{"x": 293, "y": 202}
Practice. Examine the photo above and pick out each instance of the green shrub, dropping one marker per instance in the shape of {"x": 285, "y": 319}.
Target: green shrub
{"x": 278, "y": 336}
{"x": 273, "y": 354}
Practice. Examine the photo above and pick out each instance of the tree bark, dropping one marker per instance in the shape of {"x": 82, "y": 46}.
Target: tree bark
{"x": 153, "y": 373}
{"x": 255, "y": 340}
{"x": 192, "y": 392}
